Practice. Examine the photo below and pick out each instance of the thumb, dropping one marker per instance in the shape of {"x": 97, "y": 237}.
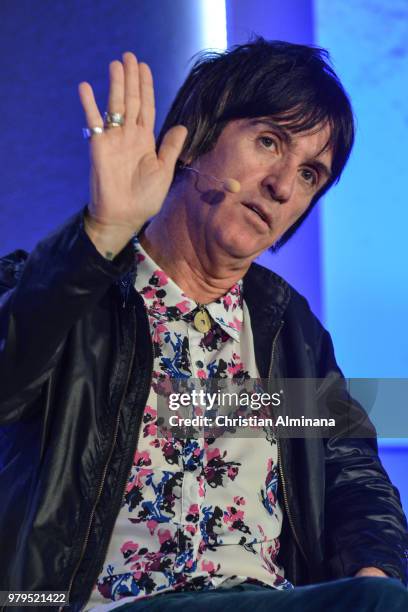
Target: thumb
{"x": 172, "y": 145}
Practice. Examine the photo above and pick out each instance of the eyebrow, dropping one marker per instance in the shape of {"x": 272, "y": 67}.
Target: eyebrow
{"x": 288, "y": 140}
{"x": 282, "y": 133}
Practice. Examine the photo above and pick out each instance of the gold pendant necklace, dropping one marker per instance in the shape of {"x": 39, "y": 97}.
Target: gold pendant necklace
{"x": 202, "y": 321}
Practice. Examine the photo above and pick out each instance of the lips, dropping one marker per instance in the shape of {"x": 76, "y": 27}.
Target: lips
{"x": 258, "y": 210}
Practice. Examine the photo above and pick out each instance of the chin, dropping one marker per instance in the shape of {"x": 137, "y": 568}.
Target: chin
{"x": 241, "y": 246}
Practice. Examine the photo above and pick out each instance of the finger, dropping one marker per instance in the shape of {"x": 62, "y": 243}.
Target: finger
{"x": 87, "y": 98}
{"x": 132, "y": 96}
{"x": 116, "y": 99}
{"x": 147, "y": 105}
{"x": 172, "y": 146}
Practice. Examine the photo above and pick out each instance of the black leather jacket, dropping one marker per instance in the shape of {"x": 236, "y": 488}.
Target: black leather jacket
{"x": 75, "y": 366}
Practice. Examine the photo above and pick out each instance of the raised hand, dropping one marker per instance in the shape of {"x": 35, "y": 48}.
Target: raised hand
{"x": 128, "y": 180}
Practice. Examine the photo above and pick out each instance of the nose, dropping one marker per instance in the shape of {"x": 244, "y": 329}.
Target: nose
{"x": 279, "y": 182}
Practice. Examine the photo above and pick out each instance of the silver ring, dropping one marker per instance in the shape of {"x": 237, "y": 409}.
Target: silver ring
{"x": 92, "y": 131}
{"x": 113, "y": 119}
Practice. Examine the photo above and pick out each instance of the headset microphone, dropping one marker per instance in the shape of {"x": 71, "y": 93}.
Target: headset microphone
{"x": 232, "y": 185}
{"x": 229, "y": 184}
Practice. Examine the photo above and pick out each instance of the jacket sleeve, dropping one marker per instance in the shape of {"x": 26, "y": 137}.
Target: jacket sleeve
{"x": 365, "y": 523}
{"x": 41, "y": 299}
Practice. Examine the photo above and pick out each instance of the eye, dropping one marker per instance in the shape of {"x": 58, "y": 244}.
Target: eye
{"x": 268, "y": 142}
{"x": 310, "y": 176}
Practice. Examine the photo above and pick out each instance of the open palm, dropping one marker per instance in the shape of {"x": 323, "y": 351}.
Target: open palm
{"x": 128, "y": 180}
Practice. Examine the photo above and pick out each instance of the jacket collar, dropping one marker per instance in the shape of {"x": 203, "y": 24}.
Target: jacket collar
{"x": 267, "y": 296}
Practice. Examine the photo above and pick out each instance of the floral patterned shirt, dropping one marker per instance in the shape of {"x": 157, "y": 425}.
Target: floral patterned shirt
{"x": 197, "y": 513}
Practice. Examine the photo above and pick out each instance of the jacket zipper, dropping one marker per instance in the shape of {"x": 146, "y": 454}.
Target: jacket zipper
{"x": 105, "y": 469}
{"x": 137, "y": 442}
{"x": 285, "y": 494}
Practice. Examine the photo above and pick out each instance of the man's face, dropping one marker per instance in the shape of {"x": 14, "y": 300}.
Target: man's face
{"x": 279, "y": 174}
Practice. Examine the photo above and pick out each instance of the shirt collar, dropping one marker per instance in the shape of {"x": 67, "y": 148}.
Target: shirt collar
{"x": 227, "y": 310}
{"x": 165, "y": 300}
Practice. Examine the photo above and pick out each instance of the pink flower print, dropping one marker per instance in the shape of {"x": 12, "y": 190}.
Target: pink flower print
{"x": 139, "y": 257}
{"x": 149, "y": 410}
{"x": 184, "y": 306}
{"x": 237, "y": 293}
{"x": 137, "y": 575}
{"x": 192, "y": 529}
{"x": 202, "y": 547}
{"x": 149, "y": 420}
{"x": 208, "y": 566}
{"x": 151, "y": 525}
{"x": 271, "y": 497}
{"x": 235, "y": 365}
{"x": 232, "y": 472}
{"x": 262, "y": 533}
{"x": 149, "y": 292}
{"x": 231, "y": 515}
{"x": 201, "y": 491}
{"x": 212, "y": 453}
{"x": 159, "y": 307}
{"x": 227, "y": 301}
{"x": 161, "y": 277}
{"x": 159, "y": 328}
{"x": 201, "y": 374}
{"x": 239, "y": 500}
{"x": 142, "y": 458}
{"x": 235, "y": 368}
{"x": 164, "y": 535}
{"x": 150, "y": 430}
{"x": 271, "y": 552}
{"x": 236, "y": 324}
{"x": 129, "y": 552}
{"x": 138, "y": 481}
{"x": 154, "y": 561}
{"x": 270, "y": 464}
{"x": 128, "y": 547}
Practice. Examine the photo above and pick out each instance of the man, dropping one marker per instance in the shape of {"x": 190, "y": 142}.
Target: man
{"x": 94, "y": 325}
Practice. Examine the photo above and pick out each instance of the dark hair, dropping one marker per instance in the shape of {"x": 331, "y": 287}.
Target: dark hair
{"x": 291, "y": 83}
